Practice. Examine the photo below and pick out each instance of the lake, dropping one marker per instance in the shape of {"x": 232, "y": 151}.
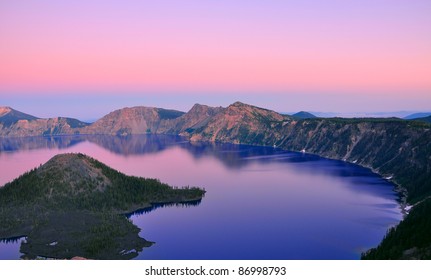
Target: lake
{"x": 261, "y": 202}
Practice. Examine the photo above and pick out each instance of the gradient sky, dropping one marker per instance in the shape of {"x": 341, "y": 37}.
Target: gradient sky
{"x": 57, "y": 57}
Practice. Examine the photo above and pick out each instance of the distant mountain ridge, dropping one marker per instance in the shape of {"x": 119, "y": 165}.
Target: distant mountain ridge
{"x": 395, "y": 148}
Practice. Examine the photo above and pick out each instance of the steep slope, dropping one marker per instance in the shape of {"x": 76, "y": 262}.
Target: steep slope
{"x": 136, "y": 120}
{"x": 397, "y": 149}
{"x": 197, "y": 117}
{"x": 394, "y": 148}
{"x": 242, "y": 123}
{"x": 411, "y": 239}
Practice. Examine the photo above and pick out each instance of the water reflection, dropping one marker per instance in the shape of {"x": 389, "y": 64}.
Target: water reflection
{"x": 65, "y": 235}
{"x": 15, "y": 144}
{"x": 13, "y": 240}
{"x": 231, "y": 156}
{"x": 155, "y": 206}
{"x": 261, "y": 202}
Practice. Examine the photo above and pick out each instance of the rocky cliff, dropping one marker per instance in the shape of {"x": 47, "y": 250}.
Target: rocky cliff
{"x": 394, "y": 148}
{"x": 136, "y": 120}
{"x": 242, "y": 123}
{"x": 37, "y": 127}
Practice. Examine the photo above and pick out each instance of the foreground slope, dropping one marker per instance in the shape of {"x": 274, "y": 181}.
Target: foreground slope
{"x": 411, "y": 239}
{"x": 70, "y": 206}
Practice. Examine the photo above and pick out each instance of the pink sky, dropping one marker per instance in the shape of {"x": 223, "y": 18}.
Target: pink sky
{"x": 212, "y": 47}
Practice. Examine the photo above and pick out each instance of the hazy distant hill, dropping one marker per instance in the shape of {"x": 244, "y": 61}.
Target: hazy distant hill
{"x": 417, "y": 116}
{"x": 303, "y": 115}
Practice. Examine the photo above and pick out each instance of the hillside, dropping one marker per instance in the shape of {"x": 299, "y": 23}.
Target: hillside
{"x": 38, "y": 203}
{"x": 425, "y": 119}
{"x": 417, "y": 116}
{"x": 242, "y": 123}
{"x": 410, "y": 240}
{"x": 23, "y": 127}
{"x": 197, "y": 117}
{"x": 392, "y": 147}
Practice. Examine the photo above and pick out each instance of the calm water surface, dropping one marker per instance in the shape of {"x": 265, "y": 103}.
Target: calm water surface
{"x": 261, "y": 203}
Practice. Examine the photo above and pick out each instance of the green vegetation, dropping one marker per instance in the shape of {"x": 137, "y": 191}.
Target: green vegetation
{"x": 412, "y": 123}
{"x": 73, "y": 206}
{"x": 411, "y": 239}
{"x": 425, "y": 119}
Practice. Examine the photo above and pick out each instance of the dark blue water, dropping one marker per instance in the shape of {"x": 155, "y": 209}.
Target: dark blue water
{"x": 261, "y": 202}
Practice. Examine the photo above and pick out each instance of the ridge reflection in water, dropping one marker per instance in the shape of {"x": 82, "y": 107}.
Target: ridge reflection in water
{"x": 261, "y": 202}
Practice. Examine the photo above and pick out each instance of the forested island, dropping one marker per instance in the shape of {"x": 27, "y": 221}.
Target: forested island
{"x": 74, "y": 205}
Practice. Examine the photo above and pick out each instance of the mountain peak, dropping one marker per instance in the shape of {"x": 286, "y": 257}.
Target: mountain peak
{"x": 4, "y": 110}
{"x": 239, "y": 104}
{"x": 75, "y": 172}
{"x": 9, "y": 116}
{"x": 200, "y": 107}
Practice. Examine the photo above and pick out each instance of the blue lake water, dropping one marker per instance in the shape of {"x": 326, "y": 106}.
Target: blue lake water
{"x": 261, "y": 202}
